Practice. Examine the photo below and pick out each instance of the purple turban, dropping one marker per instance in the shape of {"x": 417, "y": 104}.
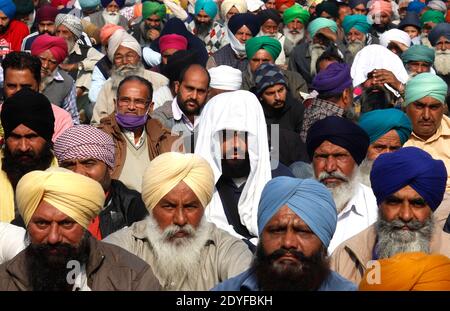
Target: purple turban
{"x": 333, "y": 80}
{"x": 83, "y": 142}
{"x": 409, "y": 166}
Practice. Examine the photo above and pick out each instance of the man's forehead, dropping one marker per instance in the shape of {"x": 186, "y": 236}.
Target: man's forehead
{"x": 407, "y": 192}
{"x": 22, "y": 129}
{"x": 284, "y": 214}
{"x": 327, "y": 146}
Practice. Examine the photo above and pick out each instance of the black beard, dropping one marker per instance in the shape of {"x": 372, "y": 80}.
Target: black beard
{"x": 271, "y": 112}
{"x": 15, "y": 168}
{"x": 236, "y": 168}
{"x": 203, "y": 28}
{"x": 47, "y": 32}
{"x": 306, "y": 276}
{"x": 48, "y": 272}
{"x": 3, "y": 29}
{"x": 371, "y": 100}
{"x": 183, "y": 106}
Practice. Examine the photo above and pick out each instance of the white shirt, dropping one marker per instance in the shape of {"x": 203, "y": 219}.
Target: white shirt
{"x": 179, "y": 115}
{"x": 12, "y": 241}
{"x": 359, "y": 214}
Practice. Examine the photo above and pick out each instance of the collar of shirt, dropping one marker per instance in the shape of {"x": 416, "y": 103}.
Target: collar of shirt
{"x": 130, "y": 136}
{"x": 443, "y": 130}
{"x": 179, "y": 115}
{"x": 352, "y": 205}
{"x": 57, "y": 76}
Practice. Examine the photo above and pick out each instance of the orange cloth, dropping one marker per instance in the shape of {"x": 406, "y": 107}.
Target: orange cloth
{"x": 380, "y": 6}
{"x": 94, "y": 228}
{"x": 288, "y": 3}
{"x": 107, "y": 31}
{"x": 411, "y": 272}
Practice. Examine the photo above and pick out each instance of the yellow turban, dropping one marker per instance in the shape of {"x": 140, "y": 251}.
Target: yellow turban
{"x": 75, "y": 195}
{"x": 411, "y": 271}
{"x": 169, "y": 169}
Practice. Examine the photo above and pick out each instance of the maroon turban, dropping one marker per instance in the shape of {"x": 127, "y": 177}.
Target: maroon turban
{"x": 46, "y": 13}
{"x": 56, "y": 45}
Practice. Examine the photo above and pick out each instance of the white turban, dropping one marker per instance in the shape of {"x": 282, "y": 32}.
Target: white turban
{"x": 121, "y": 38}
{"x": 395, "y": 35}
{"x": 169, "y": 169}
{"x": 72, "y": 22}
{"x": 225, "y": 78}
{"x": 375, "y": 56}
{"x": 254, "y": 5}
{"x": 240, "y": 5}
{"x": 77, "y": 196}
{"x": 438, "y": 6}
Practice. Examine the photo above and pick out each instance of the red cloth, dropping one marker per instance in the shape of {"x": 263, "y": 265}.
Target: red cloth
{"x": 46, "y": 13}
{"x": 172, "y": 41}
{"x": 288, "y": 3}
{"x": 57, "y": 3}
{"x": 94, "y": 228}
{"x": 56, "y": 45}
{"x": 13, "y": 37}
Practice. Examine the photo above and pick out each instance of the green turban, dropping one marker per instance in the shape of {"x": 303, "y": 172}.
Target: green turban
{"x": 319, "y": 23}
{"x": 432, "y": 16}
{"x": 418, "y": 53}
{"x": 271, "y": 45}
{"x": 423, "y": 85}
{"x": 149, "y": 8}
{"x": 296, "y": 11}
{"x": 357, "y": 21}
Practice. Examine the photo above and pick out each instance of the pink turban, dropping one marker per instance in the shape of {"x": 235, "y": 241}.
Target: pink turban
{"x": 380, "y": 6}
{"x": 172, "y": 41}
{"x": 56, "y": 45}
{"x": 107, "y": 31}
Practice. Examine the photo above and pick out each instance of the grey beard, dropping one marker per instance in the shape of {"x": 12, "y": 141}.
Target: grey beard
{"x": 70, "y": 45}
{"x": 174, "y": 260}
{"x": 262, "y": 33}
{"x": 118, "y": 74}
{"x": 291, "y": 40}
{"x": 343, "y": 193}
{"x": 392, "y": 240}
{"x": 364, "y": 172}
{"x": 442, "y": 62}
{"x": 355, "y": 46}
{"x": 315, "y": 50}
{"x": 45, "y": 81}
{"x": 111, "y": 17}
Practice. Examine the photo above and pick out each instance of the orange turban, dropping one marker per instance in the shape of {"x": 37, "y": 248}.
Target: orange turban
{"x": 107, "y": 31}
{"x": 411, "y": 271}
{"x": 380, "y": 6}
{"x": 288, "y": 3}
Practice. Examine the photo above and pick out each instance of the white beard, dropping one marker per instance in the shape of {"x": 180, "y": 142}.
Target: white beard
{"x": 291, "y": 40}
{"x": 70, "y": 45}
{"x": 175, "y": 260}
{"x": 356, "y": 46}
{"x": 111, "y": 17}
{"x": 442, "y": 62}
{"x": 315, "y": 50}
{"x": 118, "y": 74}
{"x": 262, "y": 33}
{"x": 343, "y": 193}
{"x": 45, "y": 81}
{"x": 364, "y": 172}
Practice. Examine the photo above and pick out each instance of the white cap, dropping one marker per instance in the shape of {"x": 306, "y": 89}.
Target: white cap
{"x": 225, "y": 78}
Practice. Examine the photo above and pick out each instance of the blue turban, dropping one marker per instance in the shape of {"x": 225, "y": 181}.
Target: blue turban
{"x": 441, "y": 29}
{"x": 378, "y": 122}
{"x": 418, "y": 53}
{"x": 89, "y": 4}
{"x": 341, "y": 132}
{"x": 8, "y": 8}
{"x": 357, "y": 21}
{"x": 353, "y": 3}
{"x": 332, "y": 80}
{"x": 268, "y": 75}
{"x": 250, "y": 20}
{"x": 411, "y": 19}
{"x": 409, "y": 166}
{"x": 319, "y": 23}
{"x": 416, "y": 6}
{"x": 120, "y": 3}
{"x": 307, "y": 198}
{"x": 425, "y": 84}
{"x": 209, "y": 6}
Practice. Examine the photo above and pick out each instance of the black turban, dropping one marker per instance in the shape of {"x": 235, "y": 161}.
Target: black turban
{"x": 244, "y": 19}
{"x": 330, "y": 7}
{"x": 177, "y": 62}
{"x": 341, "y": 132}
{"x": 267, "y": 14}
{"x": 31, "y": 109}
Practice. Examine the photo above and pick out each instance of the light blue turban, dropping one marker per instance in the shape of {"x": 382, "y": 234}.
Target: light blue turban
{"x": 357, "y": 21}
{"x": 423, "y": 85}
{"x": 319, "y": 23}
{"x": 378, "y": 122}
{"x": 209, "y": 6}
{"x": 307, "y": 198}
{"x": 418, "y": 53}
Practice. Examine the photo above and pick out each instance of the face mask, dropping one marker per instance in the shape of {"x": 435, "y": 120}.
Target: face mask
{"x": 131, "y": 122}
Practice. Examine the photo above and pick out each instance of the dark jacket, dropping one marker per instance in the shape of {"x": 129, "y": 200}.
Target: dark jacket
{"x": 290, "y": 117}
{"x": 123, "y": 207}
{"x": 109, "y": 268}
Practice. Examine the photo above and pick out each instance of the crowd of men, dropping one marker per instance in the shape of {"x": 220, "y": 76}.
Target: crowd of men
{"x": 224, "y": 145}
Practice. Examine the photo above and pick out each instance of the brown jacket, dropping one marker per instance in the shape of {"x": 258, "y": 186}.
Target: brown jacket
{"x": 109, "y": 268}
{"x": 351, "y": 257}
{"x": 159, "y": 140}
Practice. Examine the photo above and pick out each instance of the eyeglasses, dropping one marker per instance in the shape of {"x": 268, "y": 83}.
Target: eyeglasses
{"x": 129, "y": 57}
{"x": 138, "y": 103}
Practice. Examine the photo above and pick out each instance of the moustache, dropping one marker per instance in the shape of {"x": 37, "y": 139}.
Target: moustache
{"x": 170, "y": 232}
{"x": 192, "y": 101}
{"x": 24, "y": 154}
{"x": 338, "y": 175}
{"x": 412, "y": 225}
{"x": 283, "y": 252}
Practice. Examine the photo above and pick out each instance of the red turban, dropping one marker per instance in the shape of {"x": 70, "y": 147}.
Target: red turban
{"x": 46, "y": 13}
{"x": 288, "y": 3}
{"x": 172, "y": 41}
{"x": 107, "y": 31}
{"x": 56, "y": 45}
{"x": 57, "y": 3}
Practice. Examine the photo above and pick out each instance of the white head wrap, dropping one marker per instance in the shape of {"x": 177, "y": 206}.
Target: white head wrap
{"x": 121, "y": 38}
{"x": 240, "y": 5}
{"x": 395, "y": 35}
{"x": 225, "y": 78}
{"x": 254, "y": 5}
{"x": 239, "y": 111}
{"x": 438, "y": 6}
{"x": 375, "y": 56}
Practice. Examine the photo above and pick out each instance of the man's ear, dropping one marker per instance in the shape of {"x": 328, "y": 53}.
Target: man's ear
{"x": 176, "y": 86}
{"x": 150, "y": 107}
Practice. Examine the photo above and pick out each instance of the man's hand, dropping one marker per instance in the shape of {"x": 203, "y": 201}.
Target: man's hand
{"x": 69, "y": 67}
{"x": 153, "y": 34}
{"x": 327, "y": 32}
{"x": 381, "y": 76}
